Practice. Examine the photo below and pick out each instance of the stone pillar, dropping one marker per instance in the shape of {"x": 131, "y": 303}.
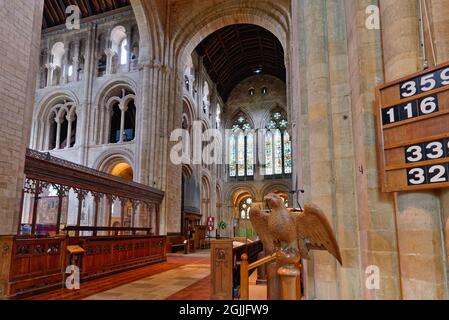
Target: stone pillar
{"x": 46, "y": 138}
{"x": 160, "y": 112}
{"x": 320, "y": 136}
{"x": 438, "y": 12}
{"x": 70, "y": 120}
{"x": 51, "y": 69}
{"x": 107, "y": 117}
{"x": 128, "y": 50}
{"x": 418, "y": 213}
{"x": 22, "y": 41}
{"x": 375, "y": 210}
{"x": 58, "y": 132}
{"x": 85, "y": 110}
{"x": 342, "y": 148}
{"x": 110, "y": 55}
{"x": 65, "y": 67}
{"x": 123, "y": 109}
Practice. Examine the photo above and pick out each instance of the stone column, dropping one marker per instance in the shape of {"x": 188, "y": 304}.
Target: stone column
{"x": 58, "y": 132}
{"x": 342, "y": 148}
{"x": 84, "y": 111}
{"x": 23, "y": 43}
{"x": 51, "y": 69}
{"x": 438, "y": 12}
{"x": 158, "y": 113}
{"x": 65, "y": 67}
{"x": 70, "y": 120}
{"x": 75, "y": 61}
{"x": 106, "y": 118}
{"x": 418, "y": 213}
{"x": 375, "y": 210}
{"x": 128, "y": 51}
{"x": 123, "y": 109}
{"x": 46, "y": 138}
{"x": 320, "y": 136}
{"x": 109, "y": 54}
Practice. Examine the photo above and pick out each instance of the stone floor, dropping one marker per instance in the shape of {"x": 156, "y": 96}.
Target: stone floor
{"x": 159, "y": 286}
{"x": 180, "y": 278}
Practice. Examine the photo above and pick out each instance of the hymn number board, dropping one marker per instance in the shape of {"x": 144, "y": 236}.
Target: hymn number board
{"x": 413, "y": 131}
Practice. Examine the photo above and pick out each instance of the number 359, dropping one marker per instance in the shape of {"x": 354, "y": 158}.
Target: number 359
{"x": 425, "y": 83}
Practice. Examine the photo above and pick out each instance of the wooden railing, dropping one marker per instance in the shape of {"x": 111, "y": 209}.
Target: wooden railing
{"x": 225, "y": 266}
{"x": 284, "y": 276}
{"x": 39, "y": 264}
{"x": 245, "y": 268}
{"x": 109, "y": 230}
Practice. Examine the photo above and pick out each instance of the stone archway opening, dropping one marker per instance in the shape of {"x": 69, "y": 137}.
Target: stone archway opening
{"x": 123, "y": 170}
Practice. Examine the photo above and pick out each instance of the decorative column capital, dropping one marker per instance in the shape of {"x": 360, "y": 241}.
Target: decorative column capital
{"x": 59, "y": 120}
{"x": 109, "y": 52}
{"x": 50, "y": 66}
{"x": 123, "y": 106}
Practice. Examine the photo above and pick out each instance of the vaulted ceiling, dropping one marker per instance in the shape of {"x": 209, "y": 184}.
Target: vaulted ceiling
{"x": 239, "y": 51}
{"x": 54, "y": 10}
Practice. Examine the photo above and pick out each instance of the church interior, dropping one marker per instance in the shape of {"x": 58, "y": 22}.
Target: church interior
{"x": 224, "y": 150}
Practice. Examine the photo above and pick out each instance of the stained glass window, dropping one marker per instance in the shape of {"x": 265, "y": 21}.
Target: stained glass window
{"x": 287, "y": 154}
{"x": 241, "y": 153}
{"x": 245, "y": 207}
{"x": 232, "y": 157}
{"x": 278, "y": 151}
{"x": 278, "y": 146}
{"x": 249, "y": 154}
{"x": 268, "y": 153}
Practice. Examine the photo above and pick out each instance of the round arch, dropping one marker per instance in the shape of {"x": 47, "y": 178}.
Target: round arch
{"x": 52, "y": 99}
{"x": 44, "y": 108}
{"x": 109, "y": 159}
{"x": 206, "y": 191}
{"x": 189, "y": 109}
{"x": 274, "y": 188}
{"x": 187, "y": 170}
{"x": 150, "y": 31}
{"x": 109, "y": 86}
{"x": 239, "y": 188}
{"x": 273, "y": 17}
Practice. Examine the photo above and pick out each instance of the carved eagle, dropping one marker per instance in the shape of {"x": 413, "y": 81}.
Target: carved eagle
{"x": 293, "y": 230}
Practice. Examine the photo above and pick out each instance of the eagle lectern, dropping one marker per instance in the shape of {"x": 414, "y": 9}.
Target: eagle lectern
{"x": 290, "y": 234}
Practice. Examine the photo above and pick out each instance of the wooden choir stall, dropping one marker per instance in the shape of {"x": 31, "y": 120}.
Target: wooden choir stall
{"x": 76, "y": 215}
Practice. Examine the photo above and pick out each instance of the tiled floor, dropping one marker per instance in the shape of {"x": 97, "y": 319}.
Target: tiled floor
{"x": 182, "y": 277}
{"x": 159, "y": 286}
{"x": 104, "y": 284}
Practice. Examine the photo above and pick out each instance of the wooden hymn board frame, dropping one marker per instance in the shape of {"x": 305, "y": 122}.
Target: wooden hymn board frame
{"x": 412, "y": 116}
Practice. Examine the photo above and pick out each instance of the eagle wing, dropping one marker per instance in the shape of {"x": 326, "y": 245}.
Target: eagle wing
{"x": 313, "y": 227}
{"x": 259, "y": 220}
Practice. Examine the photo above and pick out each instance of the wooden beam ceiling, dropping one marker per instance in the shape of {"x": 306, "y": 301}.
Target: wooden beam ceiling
{"x": 234, "y": 53}
{"x": 54, "y": 10}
